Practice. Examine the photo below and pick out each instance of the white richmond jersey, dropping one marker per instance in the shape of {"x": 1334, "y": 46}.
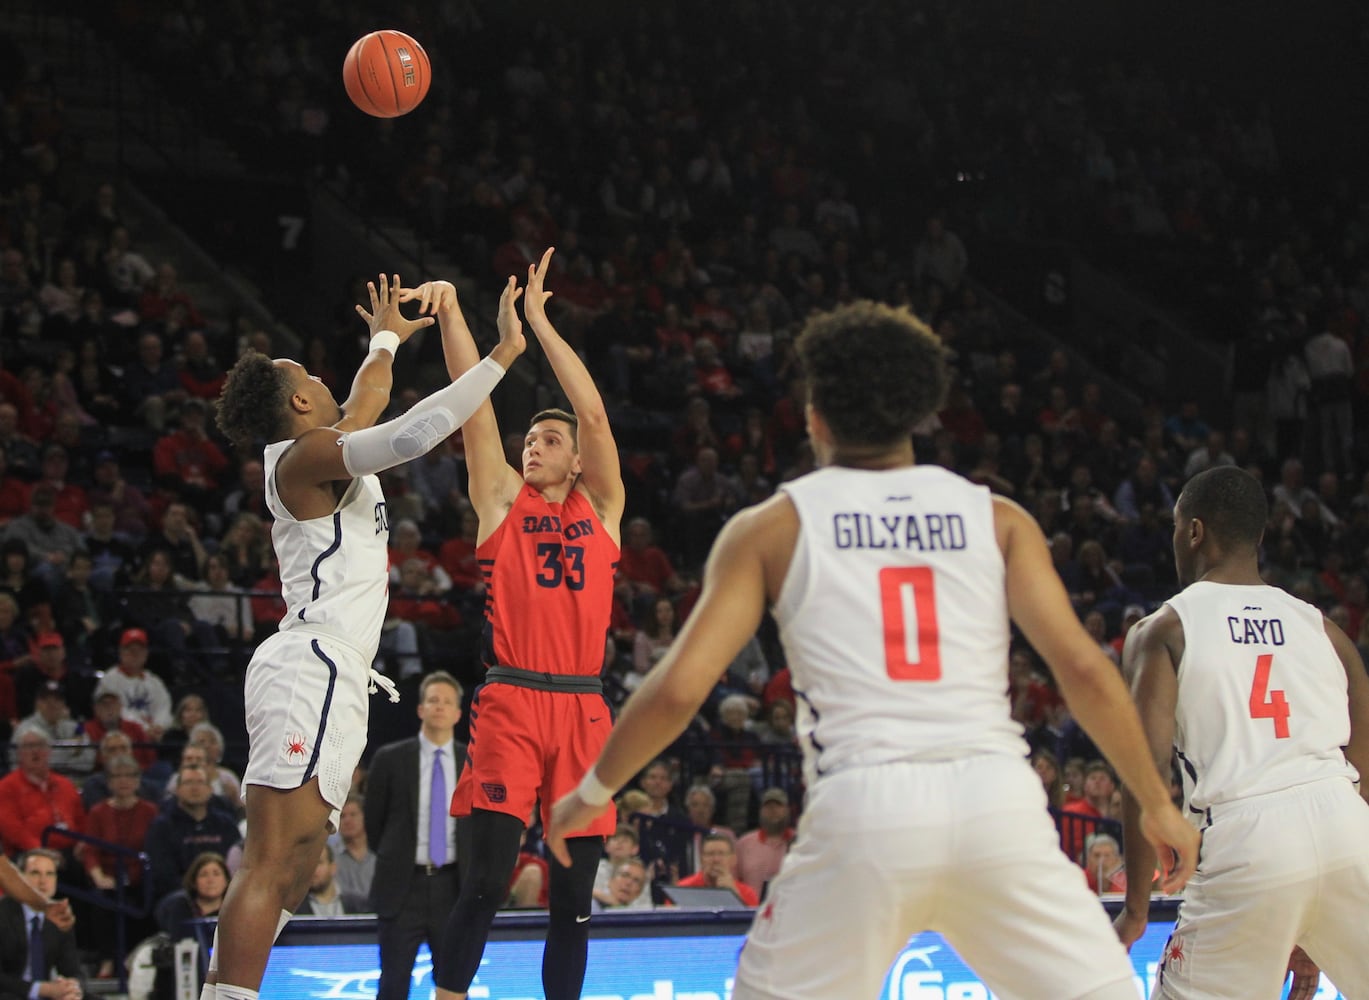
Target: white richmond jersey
{"x": 1262, "y": 697}
{"x": 334, "y": 570}
{"x": 894, "y": 619}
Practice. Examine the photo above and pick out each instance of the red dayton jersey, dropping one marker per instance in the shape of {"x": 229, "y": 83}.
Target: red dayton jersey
{"x": 548, "y": 586}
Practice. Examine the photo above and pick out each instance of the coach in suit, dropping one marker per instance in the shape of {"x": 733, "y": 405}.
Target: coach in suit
{"x": 34, "y": 954}
{"x": 408, "y": 801}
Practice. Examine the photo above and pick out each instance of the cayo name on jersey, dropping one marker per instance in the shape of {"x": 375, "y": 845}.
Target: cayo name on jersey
{"x": 1255, "y": 631}
{"x": 551, "y": 524}
{"x": 915, "y": 532}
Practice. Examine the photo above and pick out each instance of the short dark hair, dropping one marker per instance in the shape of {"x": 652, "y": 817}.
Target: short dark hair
{"x": 252, "y": 403}
{"x": 556, "y": 413}
{"x": 1230, "y": 502}
{"x": 202, "y": 860}
{"x": 440, "y": 677}
{"x": 873, "y": 371}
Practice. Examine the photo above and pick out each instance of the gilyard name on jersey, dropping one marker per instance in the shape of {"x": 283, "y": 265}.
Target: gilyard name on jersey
{"x": 914, "y": 532}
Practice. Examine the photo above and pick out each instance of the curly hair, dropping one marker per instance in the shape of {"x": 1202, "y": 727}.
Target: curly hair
{"x": 252, "y": 403}
{"x": 873, "y": 371}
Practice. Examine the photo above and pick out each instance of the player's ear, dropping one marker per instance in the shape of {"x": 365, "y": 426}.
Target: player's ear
{"x": 1197, "y": 533}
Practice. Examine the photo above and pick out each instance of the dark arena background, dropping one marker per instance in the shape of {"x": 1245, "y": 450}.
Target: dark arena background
{"x": 1142, "y": 230}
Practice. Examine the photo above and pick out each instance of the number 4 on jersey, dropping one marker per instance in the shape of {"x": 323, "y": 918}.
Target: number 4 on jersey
{"x": 1266, "y": 704}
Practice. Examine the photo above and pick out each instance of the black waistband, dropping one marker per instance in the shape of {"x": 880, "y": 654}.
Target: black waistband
{"x": 535, "y": 679}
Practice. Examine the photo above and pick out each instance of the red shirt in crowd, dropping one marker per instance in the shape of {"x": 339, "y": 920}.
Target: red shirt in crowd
{"x": 26, "y": 809}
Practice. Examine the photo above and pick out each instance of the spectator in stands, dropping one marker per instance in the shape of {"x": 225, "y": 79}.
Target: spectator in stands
{"x": 95, "y": 789}
{"x": 761, "y": 851}
{"x": 222, "y": 605}
{"x": 356, "y": 862}
{"x": 50, "y": 666}
{"x": 72, "y": 754}
{"x": 1097, "y": 803}
{"x": 457, "y": 558}
{"x": 651, "y": 641}
{"x": 406, "y": 542}
{"x": 201, "y": 891}
{"x": 128, "y": 270}
{"x": 61, "y": 977}
{"x": 1143, "y": 486}
{"x": 223, "y": 782}
{"x": 111, "y": 536}
{"x": 1104, "y": 866}
{"x": 777, "y": 724}
{"x": 940, "y": 257}
{"x": 627, "y": 888}
{"x": 1293, "y": 492}
{"x": 190, "y": 827}
{"x": 201, "y": 374}
{"x": 33, "y": 797}
{"x": 1209, "y": 455}
{"x": 178, "y": 538}
{"x": 246, "y": 549}
{"x": 702, "y": 500}
{"x": 151, "y": 386}
{"x": 188, "y": 713}
{"x": 1331, "y": 368}
{"x": 621, "y": 846}
{"x": 164, "y": 298}
{"x": 1047, "y": 767}
{"x": 701, "y": 807}
{"x": 78, "y": 611}
{"x": 249, "y": 495}
{"x": 644, "y": 569}
{"x": 69, "y": 503}
{"x": 186, "y": 460}
{"x": 121, "y": 819}
{"x": 50, "y": 542}
{"x": 718, "y": 870}
{"x": 146, "y": 699}
{"x": 14, "y": 492}
{"x": 326, "y": 898}
{"x": 1186, "y": 430}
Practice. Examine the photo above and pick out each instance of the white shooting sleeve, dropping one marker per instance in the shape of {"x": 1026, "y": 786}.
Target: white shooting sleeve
{"x": 429, "y": 422}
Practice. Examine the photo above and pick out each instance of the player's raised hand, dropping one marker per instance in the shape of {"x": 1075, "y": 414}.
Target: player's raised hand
{"x": 512, "y": 343}
{"x": 385, "y": 314}
{"x": 1176, "y": 843}
{"x": 570, "y": 813}
{"x": 535, "y": 305}
{"x": 431, "y": 296}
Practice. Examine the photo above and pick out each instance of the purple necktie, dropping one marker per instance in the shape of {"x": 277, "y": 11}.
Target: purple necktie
{"x": 438, "y": 807}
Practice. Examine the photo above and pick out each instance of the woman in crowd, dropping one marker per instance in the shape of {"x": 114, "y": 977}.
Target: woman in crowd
{"x": 201, "y": 894}
{"x": 122, "y": 819}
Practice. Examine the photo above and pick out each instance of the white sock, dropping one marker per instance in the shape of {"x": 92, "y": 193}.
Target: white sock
{"x": 225, "y": 992}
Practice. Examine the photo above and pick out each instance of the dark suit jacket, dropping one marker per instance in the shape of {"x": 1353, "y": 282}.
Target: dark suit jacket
{"x": 14, "y": 950}
{"x": 392, "y": 817}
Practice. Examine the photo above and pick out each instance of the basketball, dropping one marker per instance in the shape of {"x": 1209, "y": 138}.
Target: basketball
{"x": 386, "y": 73}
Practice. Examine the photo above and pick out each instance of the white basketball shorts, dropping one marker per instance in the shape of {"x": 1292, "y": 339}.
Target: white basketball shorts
{"x": 1290, "y": 867}
{"x": 963, "y": 847}
{"x": 307, "y": 702}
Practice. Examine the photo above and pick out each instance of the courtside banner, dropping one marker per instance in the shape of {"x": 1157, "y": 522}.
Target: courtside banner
{"x": 678, "y": 960}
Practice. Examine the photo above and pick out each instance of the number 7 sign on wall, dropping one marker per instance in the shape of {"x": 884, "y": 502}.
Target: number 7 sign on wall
{"x": 912, "y": 640}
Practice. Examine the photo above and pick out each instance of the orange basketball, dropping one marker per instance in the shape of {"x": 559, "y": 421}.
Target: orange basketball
{"x": 386, "y": 73}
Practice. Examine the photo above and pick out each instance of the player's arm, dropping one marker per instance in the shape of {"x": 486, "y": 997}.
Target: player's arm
{"x": 1150, "y": 658}
{"x": 1357, "y": 750}
{"x": 602, "y": 476}
{"x": 494, "y": 484}
{"x": 1089, "y": 681}
{"x": 325, "y": 454}
{"x": 375, "y": 378}
{"x": 726, "y": 617}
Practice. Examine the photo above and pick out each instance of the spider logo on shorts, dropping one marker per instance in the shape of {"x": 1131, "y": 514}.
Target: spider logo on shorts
{"x": 295, "y": 750}
{"x": 1174, "y": 953}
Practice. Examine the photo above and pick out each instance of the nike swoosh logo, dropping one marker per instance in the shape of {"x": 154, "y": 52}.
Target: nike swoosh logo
{"x": 582, "y": 920}
{"x": 595, "y": 719}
